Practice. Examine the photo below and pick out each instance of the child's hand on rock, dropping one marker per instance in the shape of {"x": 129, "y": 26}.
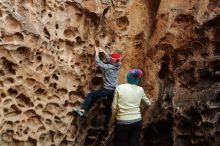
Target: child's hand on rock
{"x": 96, "y": 50}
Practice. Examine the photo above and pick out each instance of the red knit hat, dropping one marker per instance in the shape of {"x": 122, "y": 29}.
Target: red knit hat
{"x": 115, "y": 58}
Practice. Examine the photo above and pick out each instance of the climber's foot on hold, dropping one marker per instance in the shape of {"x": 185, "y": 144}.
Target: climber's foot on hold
{"x": 80, "y": 112}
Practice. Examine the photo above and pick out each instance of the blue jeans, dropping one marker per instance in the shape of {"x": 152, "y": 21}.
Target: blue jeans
{"x": 93, "y": 96}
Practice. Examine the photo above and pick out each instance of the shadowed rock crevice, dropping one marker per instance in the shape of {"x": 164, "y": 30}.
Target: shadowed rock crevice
{"x": 153, "y": 6}
{"x": 160, "y": 133}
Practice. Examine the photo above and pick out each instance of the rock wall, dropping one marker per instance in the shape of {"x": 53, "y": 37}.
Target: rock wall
{"x": 47, "y": 63}
{"x": 47, "y": 67}
{"x": 184, "y": 62}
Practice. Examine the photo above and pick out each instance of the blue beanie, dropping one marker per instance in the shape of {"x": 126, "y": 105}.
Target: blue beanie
{"x": 134, "y": 76}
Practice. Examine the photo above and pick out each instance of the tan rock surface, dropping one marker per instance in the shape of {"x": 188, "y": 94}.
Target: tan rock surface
{"x": 47, "y": 67}
{"x": 47, "y": 62}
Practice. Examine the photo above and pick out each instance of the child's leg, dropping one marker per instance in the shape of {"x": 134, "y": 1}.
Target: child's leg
{"x": 92, "y": 97}
{"x": 88, "y": 100}
{"x": 108, "y": 110}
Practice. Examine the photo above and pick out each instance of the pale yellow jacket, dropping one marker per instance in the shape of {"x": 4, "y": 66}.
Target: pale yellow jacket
{"x": 126, "y": 102}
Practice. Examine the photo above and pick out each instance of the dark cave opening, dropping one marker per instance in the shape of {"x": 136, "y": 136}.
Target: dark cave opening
{"x": 159, "y": 133}
{"x": 164, "y": 71}
{"x": 217, "y": 99}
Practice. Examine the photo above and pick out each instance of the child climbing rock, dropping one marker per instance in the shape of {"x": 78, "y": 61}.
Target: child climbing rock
{"x": 110, "y": 79}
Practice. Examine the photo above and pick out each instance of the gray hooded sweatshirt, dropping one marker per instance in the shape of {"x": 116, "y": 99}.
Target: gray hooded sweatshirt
{"x": 110, "y": 77}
